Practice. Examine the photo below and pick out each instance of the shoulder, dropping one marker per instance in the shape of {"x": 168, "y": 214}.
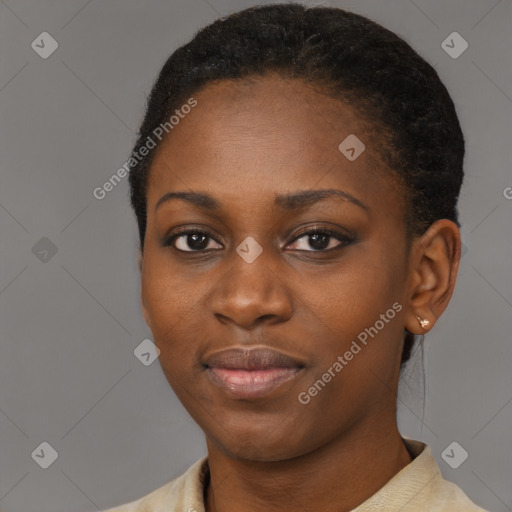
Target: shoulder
{"x": 439, "y": 494}
{"x": 445, "y": 496}
{"x": 183, "y": 493}
{"x": 419, "y": 487}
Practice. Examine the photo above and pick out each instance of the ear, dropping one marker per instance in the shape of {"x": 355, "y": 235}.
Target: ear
{"x": 140, "y": 264}
{"x": 435, "y": 258}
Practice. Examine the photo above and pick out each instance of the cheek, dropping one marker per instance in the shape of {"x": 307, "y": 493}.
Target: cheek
{"x": 359, "y": 308}
{"x": 359, "y": 345}
{"x": 354, "y": 296}
{"x": 172, "y": 303}
{"x": 168, "y": 291}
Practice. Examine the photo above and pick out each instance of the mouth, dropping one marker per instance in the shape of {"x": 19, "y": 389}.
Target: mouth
{"x": 245, "y": 373}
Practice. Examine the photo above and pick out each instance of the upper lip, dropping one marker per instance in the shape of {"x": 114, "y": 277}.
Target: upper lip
{"x": 255, "y": 358}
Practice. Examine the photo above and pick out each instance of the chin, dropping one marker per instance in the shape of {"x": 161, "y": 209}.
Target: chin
{"x": 261, "y": 445}
{"x": 257, "y": 453}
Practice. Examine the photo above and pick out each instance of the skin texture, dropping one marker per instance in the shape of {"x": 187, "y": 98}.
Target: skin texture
{"x": 245, "y": 142}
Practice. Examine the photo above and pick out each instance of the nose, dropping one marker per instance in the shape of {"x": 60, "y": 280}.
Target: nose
{"x": 251, "y": 294}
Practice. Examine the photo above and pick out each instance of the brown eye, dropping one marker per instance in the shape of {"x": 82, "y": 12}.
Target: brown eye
{"x": 191, "y": 241}
{"x": 320, "y": 240}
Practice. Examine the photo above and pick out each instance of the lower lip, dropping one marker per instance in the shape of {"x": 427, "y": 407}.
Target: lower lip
{"x": 251, "y": 383}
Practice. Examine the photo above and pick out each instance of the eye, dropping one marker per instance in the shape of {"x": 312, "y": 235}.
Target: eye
{"x": 315, "y": 240}
{"x": 321, "y": 240}
{"x": 190, "y": 241}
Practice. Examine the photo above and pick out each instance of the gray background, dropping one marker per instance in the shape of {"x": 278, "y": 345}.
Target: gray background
{"x": 71, "y": 321}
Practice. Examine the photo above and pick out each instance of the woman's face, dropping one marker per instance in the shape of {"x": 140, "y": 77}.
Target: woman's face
{"x": 254, "y": 278}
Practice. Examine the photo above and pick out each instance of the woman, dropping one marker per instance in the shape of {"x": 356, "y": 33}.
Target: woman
{"x": 295, "y": 184}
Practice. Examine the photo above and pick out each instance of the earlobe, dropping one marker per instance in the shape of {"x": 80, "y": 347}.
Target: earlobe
{"x": 420, "y": 324}
{"x": 424, "y": 322}
{"x": 435, "y": 265}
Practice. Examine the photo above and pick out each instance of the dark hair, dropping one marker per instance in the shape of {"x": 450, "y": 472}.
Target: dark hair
{"x": 344, "y": 55}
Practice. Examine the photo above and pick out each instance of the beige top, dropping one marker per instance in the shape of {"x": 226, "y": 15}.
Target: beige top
{"x": 417, "y": 487}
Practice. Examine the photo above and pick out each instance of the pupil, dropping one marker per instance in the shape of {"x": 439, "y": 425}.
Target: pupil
{"x": 318, "y": 241}
{"x": 194, "y": 245}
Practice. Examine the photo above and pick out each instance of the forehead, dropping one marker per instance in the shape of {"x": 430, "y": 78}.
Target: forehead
{"x": 268, "y": 134}
{"x": 287, "y": 115}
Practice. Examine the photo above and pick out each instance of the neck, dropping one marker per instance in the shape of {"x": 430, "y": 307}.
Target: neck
{"x": 337, "y": 477}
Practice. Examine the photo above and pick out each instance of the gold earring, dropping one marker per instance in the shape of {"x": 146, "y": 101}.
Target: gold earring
{"x": 423, "y": 322}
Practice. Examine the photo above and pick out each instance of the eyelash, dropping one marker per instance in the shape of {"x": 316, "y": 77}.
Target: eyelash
{"x": 344, "y": 240}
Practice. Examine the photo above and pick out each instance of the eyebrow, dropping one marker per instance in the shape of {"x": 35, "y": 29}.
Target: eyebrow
{"x": 296, "y": 201}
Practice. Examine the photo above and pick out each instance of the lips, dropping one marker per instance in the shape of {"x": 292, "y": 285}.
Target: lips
{"x": 250, "y": 359}
{"x": 250, "y": 373}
